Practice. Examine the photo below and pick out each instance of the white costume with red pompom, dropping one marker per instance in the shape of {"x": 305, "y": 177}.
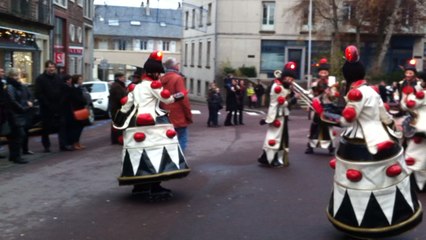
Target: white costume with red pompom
{"x": 372, "y": 197}
{"x": 275, "y": 147}
{"x": 415, "y": 152}
{"x": 151, "y": 151}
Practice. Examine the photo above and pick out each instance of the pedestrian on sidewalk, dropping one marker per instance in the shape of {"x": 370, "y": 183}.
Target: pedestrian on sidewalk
{"x": 214, "y": 101}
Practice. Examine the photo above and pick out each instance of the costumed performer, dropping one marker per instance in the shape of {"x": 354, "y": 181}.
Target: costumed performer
{"x": 151, "y": 152}
{"x": 372, "y": 195}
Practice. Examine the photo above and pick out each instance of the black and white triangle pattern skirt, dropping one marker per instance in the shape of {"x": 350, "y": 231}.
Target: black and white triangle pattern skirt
{"x": 151, "y": 154}
{"x": 372, "y": 198}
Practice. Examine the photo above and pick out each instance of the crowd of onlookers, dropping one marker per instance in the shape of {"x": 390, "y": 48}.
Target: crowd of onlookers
{"x": 238, "y": 94}
{"x": 58, "y": 97}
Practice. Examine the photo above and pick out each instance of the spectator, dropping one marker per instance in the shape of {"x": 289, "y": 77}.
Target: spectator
{"x": 116, "y": 93}
{"x": 214, "y": 101}
{"x": 241, "y": 95}
{"x": 382, "y": 91}
{"x": 20, "y": 104}
{"x": 179, "y": 112}
{"x": 231, "y": 102}
{"x": 260, "y": 91}
{"x": 78, "y": 101}
{"x": 28, "y": 118}
{"x": 251, "y": 96}
{"x": 48, "y": 88}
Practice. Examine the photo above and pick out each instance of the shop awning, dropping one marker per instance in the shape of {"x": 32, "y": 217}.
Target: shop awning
{"x": 16, "y": 46}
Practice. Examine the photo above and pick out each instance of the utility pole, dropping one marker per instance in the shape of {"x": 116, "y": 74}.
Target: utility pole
{"x": 309, "y": 45}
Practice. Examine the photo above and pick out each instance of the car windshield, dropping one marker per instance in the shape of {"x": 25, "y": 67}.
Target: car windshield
{"x": 95, "y": 87}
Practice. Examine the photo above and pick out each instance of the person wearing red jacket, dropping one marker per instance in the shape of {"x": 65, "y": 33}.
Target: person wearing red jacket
{"x": 179, "y": 112}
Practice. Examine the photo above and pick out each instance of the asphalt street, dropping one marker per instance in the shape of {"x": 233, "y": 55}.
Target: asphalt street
{"x": 75, "y": 195}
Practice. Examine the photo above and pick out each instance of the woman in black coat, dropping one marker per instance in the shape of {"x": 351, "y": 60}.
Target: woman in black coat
{"x": 19, "y": 109}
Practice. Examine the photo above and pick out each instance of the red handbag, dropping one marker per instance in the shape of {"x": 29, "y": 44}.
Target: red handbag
{"x": 81, "y": 114}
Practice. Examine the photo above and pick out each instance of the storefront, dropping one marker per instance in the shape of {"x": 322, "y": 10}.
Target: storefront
{"x": 19, "y": 49}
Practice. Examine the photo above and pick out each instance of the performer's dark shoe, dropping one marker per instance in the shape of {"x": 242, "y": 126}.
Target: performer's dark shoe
{"x": 309, "y": 150}
{"x": 276, "y": 164}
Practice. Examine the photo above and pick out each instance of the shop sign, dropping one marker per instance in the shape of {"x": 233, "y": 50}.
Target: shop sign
{"x": 60, "y": 58}
{"x": 75, "y": 50}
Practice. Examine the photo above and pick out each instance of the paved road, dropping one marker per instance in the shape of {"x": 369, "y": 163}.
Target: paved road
{"x": 75, "y": 196}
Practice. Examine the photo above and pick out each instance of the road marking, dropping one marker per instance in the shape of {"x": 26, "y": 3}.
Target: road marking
{"x": 195, "y": 111}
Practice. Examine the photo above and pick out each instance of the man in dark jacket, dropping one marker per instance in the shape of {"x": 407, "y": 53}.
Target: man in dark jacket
{"x": 48, "y": 88}
{"x": 116, "y": 93}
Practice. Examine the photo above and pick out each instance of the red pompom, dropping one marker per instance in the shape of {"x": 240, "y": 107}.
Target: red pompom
{"x": 355, "y": 95}
{"x": 156, "y": 55}
{"x": 272, "y": 142}
{"x": 276, "y": 123}
{"x": 375, "y": 88}
{"x": 156, "y": 84}
{"x": 420, "y": 95}
{"x": 277, "y": 89}
{"x": 349, "y": 113}
{"x": 410, "y": 161}
{"x": 332, "y": 163}
{"x": 170, "y": 133}
{"x": 411, "y": 103}
{"x": 145, "y": 119}
{"x": 124, "y": 100}
{"x": 353, "y": 175}
{"x": 316, "y": 105}
{"x": 131, "y": 87}
{"x": 139, "y": 136}
{"x": 120, "y": 139}
{"x": 165, "y": 93}
{"x": 385, "y": 145}
{"x": 387, "y": 107}
{"x": 351, "y": 54}
{"x": 417, "y": 139}
{"x": 323, "y": 60}
{"x": 281, "y": 100}
{"x": 393, "y": 170}
{"x": 408, "y": 90}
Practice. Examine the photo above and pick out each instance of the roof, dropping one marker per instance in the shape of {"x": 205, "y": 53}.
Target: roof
{"x": 161, "y": 23}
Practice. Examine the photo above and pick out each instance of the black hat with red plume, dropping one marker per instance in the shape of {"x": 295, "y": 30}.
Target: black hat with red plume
{"x": 323, "y": 64}
{"x": 154, "y": 63}
{"x": 353, "y": 69}
{"x": 411, "y": 65}
{"x": 289, "y": 70}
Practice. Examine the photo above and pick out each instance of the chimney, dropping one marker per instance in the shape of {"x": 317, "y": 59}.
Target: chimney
{"x": 147, "y": 12}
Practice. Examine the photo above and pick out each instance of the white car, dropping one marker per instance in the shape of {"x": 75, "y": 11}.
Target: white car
{"x": 99, "y": 91}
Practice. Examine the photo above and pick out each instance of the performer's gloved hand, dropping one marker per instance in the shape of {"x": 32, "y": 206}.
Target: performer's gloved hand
{"x": 178, "y": 96}
{"x": 119, "y": 118}
{"x": 262, "y": 122}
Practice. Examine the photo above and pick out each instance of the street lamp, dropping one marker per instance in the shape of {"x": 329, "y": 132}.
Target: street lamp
{"x": 309, "y": 44}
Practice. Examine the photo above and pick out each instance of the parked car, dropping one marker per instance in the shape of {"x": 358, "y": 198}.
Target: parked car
{"x": 99, "y": 91}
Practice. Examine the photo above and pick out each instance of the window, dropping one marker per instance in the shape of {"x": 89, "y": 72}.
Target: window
{"x": 103, "y": 44}
{"x": 61, "y": 3}
{"x": 80, "y": 3}
{"x": 185, "y": 58}
{"x": 166, "y": 45}
{"x": 348, "y": 11}
{"x": 268, "y": 16}
{"x": 113, "y": 22}
{"x": 209, "y": 43}
{"x": 191, "y": 85}
{"x": 192, "y": 54}
{"x": 193, "y": 18}
{"x": 88, "y": 9}
{"x": 201, "y": 17}
{"x": 209, "y": 14}
{"x": 200, "y": 53}
{"x": 305, "y": 19}
{"x": 59, "y": 31}
{"x": 199, "y": 87}
{"x": 135, "y": 23}
{"x": 71, "y": 32}
{"x": 143, "y": 45}
{"x": 186, "y": 20}
{"x": 120, "y": 44}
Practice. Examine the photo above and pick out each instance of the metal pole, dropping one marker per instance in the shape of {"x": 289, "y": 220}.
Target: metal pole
{"x": 309, "y": 45}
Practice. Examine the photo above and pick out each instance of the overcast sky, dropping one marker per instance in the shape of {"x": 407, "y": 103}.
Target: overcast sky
{"x": 173, "y": 4}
